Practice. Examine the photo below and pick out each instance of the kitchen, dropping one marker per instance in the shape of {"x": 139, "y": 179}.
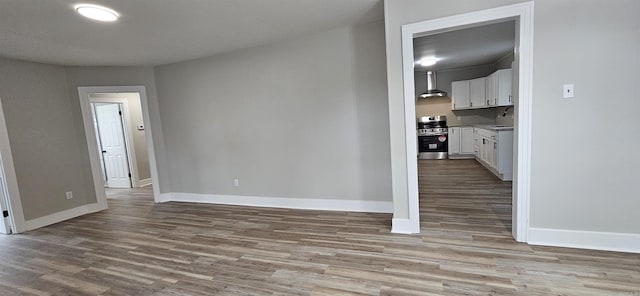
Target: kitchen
{"x": 464, "y": 83}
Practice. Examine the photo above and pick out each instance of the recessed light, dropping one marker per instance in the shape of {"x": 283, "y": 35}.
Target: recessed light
{"x": 430, "y": 61}
{"x": 97, "y": 12}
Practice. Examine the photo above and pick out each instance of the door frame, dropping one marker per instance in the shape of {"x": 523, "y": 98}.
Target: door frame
{"x": 128, "y": 135}
{"x": 522, "y": 13}
{"x": 94, "y": 159}
{"x": 12, "y": 192}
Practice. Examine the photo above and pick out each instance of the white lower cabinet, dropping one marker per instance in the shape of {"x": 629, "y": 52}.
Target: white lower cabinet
{"x": 494, "y": 150}
{"x": 461, "y": 142}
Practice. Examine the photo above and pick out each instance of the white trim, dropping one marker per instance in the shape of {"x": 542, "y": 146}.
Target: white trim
{"x": 128, "y": 135}
{"x": 83, "y": 92}
{"x": 404, "y": 226}
{"x": 14, "y": 206}
{"x": 284, "y": 202}
{"x": 144, "y": 182}
{"x": 64, "y": 215}
{"x": 522, "y": 12}
{"x": 594, "y": 240}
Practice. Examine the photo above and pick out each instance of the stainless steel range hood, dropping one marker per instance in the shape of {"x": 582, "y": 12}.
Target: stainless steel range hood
{"x": 432, "y": 91}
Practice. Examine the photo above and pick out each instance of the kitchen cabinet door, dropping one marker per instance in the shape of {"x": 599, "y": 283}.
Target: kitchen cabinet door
{"x": 466, "y": 140}
{"x": 460, "y": 95}
{"x": 454, "y": 140}
{"x": 476, "y": 143}
{"x": 503, "y": 82}
{"x": 490, "y": 86}
{"x": 477, "y": 92}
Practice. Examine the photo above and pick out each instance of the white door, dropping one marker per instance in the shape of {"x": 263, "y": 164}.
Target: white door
{"x": 4, "y": 221}
{"x": 114, "y": 150}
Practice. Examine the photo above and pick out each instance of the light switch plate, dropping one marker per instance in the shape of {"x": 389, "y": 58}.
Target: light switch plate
{"x": 567, "y": 91}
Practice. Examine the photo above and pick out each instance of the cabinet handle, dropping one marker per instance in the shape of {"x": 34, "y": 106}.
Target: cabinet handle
{"x": 471, "y": 104}
{"x": 483, "y": 142}
{"x": 509, "y": 98}
{"x": 487, "y": 102}
{"x": 495, "y": 145}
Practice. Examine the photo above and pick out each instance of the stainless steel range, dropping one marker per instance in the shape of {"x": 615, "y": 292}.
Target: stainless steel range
{"x": 433, "y": 137}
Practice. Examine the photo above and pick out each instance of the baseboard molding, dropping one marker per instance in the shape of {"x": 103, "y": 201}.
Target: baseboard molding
{"x": 61, "y": 216}
{"x": 607, "y": 241}
{"x": 283, "y": 202}
{"x": 144, "y": 182}
{"x": 404, "y": 226}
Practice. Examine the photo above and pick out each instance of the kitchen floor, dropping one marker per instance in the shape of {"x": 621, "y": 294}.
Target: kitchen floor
{"x": 462, "y": 195}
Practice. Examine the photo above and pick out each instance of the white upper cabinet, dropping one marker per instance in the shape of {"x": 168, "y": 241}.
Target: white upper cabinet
{"x": 491, "y": 91}
{"x": 498, "y": 90}
{"x": 460, "y": 95}
{"x": 477, "y": 92}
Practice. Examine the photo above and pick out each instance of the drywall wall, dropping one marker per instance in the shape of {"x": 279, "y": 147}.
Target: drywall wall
{"x": 585, "y": 176}
{"x": 49, "y": 149}
{"x": 122, "y": 76}
{"x": 574, "y": 186}
{"x": 303, "y": 118}
{"x": 139, "y": 142}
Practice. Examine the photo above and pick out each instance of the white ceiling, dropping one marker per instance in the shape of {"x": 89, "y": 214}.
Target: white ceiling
{"x": 153, "y": 32}
{"x": 467, "y": 47}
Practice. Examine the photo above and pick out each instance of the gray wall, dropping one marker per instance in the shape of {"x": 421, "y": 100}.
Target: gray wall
{"x": 302, "y": 118}
{"x": 579, "y": 182}
{"x": 139, "y": 142}
{"x": 47, "y": 143}
{"x": 122, "y": 76}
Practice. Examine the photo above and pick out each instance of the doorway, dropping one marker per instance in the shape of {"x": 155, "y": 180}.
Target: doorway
{"x": 522, "y": 14}
{"x": 119, "y": 138}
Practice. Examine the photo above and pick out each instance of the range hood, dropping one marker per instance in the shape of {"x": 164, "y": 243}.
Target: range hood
{"x": 432, "y": 91}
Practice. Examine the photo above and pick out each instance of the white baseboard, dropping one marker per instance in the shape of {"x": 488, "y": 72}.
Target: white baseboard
{"x": 144, "y": 182}
{"x": 607, "y": 241}
{"x": 283, "y": 202}
{"x": 404, "y": 226}
{"x": 61, "y": 216}
{"x": 163, "y": 197}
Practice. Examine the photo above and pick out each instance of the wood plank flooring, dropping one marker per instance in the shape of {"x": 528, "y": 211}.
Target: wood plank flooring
{"x": 141, "y": 248}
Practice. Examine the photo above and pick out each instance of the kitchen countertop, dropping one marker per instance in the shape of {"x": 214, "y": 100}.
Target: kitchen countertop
{"x": 495, "y": 127}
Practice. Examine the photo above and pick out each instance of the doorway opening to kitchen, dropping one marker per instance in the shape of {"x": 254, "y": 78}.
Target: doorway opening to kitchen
{"x": 467, "y": 91}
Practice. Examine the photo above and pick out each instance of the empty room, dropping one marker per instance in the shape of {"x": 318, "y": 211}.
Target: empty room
{"x": 319, "y": 147}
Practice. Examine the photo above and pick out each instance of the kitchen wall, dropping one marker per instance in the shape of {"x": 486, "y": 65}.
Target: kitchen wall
{"x": 574, "y": 186}
{"x": 442, "y": 106}
{"x": 48, "y": 146}
{"x": 302, "y": 118}
{"x": 139, "y": 142}
{"x": 122, "y": 76}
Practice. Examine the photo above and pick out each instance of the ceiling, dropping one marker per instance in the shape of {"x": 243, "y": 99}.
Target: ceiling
{"x": 153, "y": 32}
{"x": 467, "y": 47}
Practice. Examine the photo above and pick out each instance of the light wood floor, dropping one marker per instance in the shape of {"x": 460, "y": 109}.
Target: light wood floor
{"x": 141, "y": 248}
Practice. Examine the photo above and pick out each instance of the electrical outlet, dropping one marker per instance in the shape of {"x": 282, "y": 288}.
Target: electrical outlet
{"x": 236, "y": 182}
{"x": 69, "y": 194}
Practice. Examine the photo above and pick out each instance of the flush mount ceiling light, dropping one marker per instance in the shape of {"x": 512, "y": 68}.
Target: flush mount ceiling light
{"x": 430, "y": 61}
{"x": 97, "y": 12}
